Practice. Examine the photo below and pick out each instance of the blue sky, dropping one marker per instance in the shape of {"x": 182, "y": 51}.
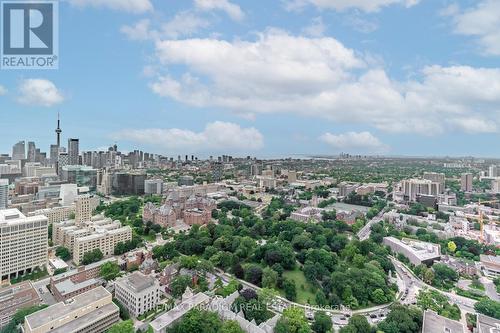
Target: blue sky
{"x": 399, "y": 77}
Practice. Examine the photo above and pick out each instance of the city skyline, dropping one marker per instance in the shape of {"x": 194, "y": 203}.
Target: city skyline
{"x": 347, "y": 85}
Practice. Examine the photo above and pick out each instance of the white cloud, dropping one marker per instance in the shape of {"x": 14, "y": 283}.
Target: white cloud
{"x": 39, "y": 92}
{"x": 355, "y": 141}
{"x": 131, "y": 6}
{"x": 139, "y": 31}
{"x": 183, "y": 24}
{"x": 316, "y": 29}
{"x": 482, "y": 22}
{"x": 3, "y": 90}
{"x": 216, "y": 136}
{"x": 341, "y": 5}
{"x": 321, "y": 78}
{"x": 234, "y": 11}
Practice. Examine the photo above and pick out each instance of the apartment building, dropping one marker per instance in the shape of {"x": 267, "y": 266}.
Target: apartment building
{"x": 90, "y": 312}
{"x": 139, "y": 293}
{"x": 23, "y": 243}
{"x": 104, "y": 240}
{"x": 55, "y": 214}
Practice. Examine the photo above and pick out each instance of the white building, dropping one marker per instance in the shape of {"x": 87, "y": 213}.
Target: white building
{"x": 412, "y": 188}
{"x": 416, "y": 251}
{"x": 4, "y": 193}
{"x": 139, "y": 293}
{"x": 153, "y": 186}
{"x": 23, "y": 243}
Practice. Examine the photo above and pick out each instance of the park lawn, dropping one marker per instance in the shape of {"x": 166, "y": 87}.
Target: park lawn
{"x": 304, "y": 295}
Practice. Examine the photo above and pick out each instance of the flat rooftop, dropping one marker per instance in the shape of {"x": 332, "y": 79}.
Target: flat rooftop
{"x": 422, "y": 250}
{"x": 490, "y": 260}
{"x": 83, "y": 321}
{"x": 67, "y": 286}
{"x": 136, "y": 281}
{"x": 434, "y": 323}
{"x": 177, "y": 312}
{"x": 487, "y": 324}
{"x": 14, "y": 216}
{"x": 63, "y": 309}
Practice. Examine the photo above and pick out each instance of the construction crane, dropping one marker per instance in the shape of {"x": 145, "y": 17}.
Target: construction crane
{"x": 481, "y": 218}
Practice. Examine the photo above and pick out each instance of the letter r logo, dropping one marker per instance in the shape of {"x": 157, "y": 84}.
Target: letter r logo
{"x": 27, "y": 28}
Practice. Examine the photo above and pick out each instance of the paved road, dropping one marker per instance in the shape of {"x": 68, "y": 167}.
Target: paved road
{"x": 490, "y": 289}
{"x": 465, "y": 304}
{"x": 365, "y": 232}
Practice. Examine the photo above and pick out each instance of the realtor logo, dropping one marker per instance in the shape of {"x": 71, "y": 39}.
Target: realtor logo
{"x": 29, "y": 35}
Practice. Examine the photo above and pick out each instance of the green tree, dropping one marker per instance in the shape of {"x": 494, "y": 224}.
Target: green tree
{"x": 231, "y": 326}
{"x": 269, "y": 278}
{"x": 488, "y": 307}
{"x": 122, "y": 327}
{"x": 109, "y": 271}
{"x": 198, "y": 321}
{"x": 290, "y": 289}
{"x": 402, "y": 319}
{"x": 92, "y": 256}
{"x": 322, "y": 322}
{"x": 293, "y": 320}
{"x": 452, "y": 246}
{"x": 63, "y": 253}
{"x": 179, "y": 285}
{"x": 357, "y": 324}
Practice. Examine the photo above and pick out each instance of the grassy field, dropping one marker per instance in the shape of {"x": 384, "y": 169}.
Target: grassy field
{"x": 304, "y": 295}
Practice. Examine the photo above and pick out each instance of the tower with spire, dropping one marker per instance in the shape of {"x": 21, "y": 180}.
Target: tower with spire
{"x": 58, "y": 131}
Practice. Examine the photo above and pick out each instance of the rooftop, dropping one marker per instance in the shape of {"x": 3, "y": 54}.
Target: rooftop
{"x": 166, "y": 319}
{"x": 487, "y": 324}
{"x": 63, "y": 309}
{"x": 434, "y": 323}
{"x": 137, "y": 282}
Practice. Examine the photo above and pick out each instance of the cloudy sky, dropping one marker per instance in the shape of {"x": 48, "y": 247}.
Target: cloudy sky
{"x": 398, "y": 77}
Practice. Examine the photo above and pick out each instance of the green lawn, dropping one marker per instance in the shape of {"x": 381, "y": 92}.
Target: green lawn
{"x": 304, "y": 295}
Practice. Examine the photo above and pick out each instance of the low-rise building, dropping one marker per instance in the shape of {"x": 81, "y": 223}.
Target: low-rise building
{"x": 434, "y": 323}
{"x": 490, "y": 265}
{"x": 168, "y": 319}
{"x": 77, "y": 281}
{"x": 485, "y": 324}
{"x": 14, "y": 298}
{"x": 416, "y": 251}
{"x": 139, "y": 293}
{"x": 90, "y": 312}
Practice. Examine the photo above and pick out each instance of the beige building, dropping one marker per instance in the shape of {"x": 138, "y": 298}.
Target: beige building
{"x": 90, "y": 312}
{"x": 105, "y": 240}
{"x": 56, "y": 214}
{"x": 139, "y": 293}
{"x": 85, "y": 206}
{"x": 97, "y": 233}
{"x": 23, "y": 243}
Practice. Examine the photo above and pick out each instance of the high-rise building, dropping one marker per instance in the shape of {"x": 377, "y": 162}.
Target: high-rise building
{"x": 436, "y": 177}
{"x": 54, "y": 152}
{"x": 84, "y": 207}
{"x": 31, "y": 151}
{"x": 73, "y": 151}
{"x": 24, "y": 243}
{"x": 466, "y": 182}
{"x": 62, "y": 161}
{"x": 153, "y": 186}
{"x": 412, "y": 188}
{"x": 4, "y": 193}
{"x": 493, "y": 171}
{"x": 19, "y": 151}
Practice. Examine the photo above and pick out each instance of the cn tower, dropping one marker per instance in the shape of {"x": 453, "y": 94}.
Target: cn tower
{"x": 58, "y": 131}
